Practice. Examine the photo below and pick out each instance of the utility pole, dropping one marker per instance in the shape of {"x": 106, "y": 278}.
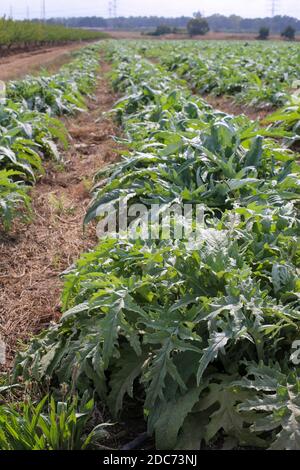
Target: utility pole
{"x": 115, "y": 9}
{"x": 274, "y": 7}
{"x": 44, "y": 10}
{"x": 11, "y": 15}
{"x": 112, "y": 12}
{"x": 27, "y": 13}
{"x": 110, "y": 9}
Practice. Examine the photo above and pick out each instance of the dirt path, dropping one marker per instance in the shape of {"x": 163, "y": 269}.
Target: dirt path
{"x": 34, "y": 255}
{"x": 19, "y": 65}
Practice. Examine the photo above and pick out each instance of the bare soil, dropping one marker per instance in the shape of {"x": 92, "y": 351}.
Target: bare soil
{"x": 24, "y": 63}
{"x": 210, "y": 36}
{"x": 228, "y": 105}
{"x": 33, "y": 255}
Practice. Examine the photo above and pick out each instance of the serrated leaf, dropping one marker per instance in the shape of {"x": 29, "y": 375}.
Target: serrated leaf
{"x": 217, "y": 343}
{"x": 172, "y": 417}
{"x": 121, "y": 383}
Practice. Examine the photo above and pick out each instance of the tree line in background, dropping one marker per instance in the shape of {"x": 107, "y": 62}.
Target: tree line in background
{"x": 217, "y": 22}
{"x": 27, "y": 33}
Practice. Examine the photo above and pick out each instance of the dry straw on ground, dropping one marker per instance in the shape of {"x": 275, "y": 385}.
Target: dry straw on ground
{"x": 34, "y": 254}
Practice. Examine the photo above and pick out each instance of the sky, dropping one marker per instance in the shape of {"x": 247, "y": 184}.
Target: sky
{"x": 255, "y": 8}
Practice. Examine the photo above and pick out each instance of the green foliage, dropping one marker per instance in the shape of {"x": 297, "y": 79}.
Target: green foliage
{"x": 289, "y": 33}
{"x": 19, "y": 33}
{"x": 49, "y": 425}
{"x": 13, "y": 196}
{"x": 30, "y": 130}
{"x": 181, "y": 326}
{"x": 161, "y": 30}
{"x": 197, "y": 26}
{"x": 264, "y": 33}
{"x": 230, "y": 165}
{"x": 275, "y": 406}
{"x": 255, "y": 74}
{"x": 62, "y": 93}
{"x": 288, "y": 118}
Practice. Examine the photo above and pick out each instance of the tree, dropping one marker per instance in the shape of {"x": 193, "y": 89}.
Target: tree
{"x": 197, "y": 25}
{"x": 197, "y": 14}
{"x": 264, "y": 33}
{"x": 289, "y": 33}
{"x": 162, "y": 29}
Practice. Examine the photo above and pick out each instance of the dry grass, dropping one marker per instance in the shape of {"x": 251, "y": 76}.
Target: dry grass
{"x": 212, "y": 35}
{"x": 34, "y": 254}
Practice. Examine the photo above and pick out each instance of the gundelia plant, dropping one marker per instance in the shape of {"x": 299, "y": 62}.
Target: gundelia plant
{"x": 201, "y": 337}
{"x": 30, "y": 130}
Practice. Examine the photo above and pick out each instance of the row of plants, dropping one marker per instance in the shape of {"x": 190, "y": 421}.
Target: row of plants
{"x": 287, "y": 117}
{"x": 259, "y": 76}
{"x": 58, "y": 423}
{"x": 30, "y": 130}
{"x": 255, "y": 74}
{"x": 29, "y": 33}
{"x": 198, "y": 333}
{"x": 29, "y": 419}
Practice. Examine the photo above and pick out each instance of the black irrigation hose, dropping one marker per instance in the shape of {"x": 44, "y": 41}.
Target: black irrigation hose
{"x": 137, "y": 442}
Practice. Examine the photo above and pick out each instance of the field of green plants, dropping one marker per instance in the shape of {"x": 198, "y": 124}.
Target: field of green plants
{"x": 256, "y": 74}
{"x": 28, "y": 33}
{"x": 30, "y": 130}
{"x": 199, "y": 335}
